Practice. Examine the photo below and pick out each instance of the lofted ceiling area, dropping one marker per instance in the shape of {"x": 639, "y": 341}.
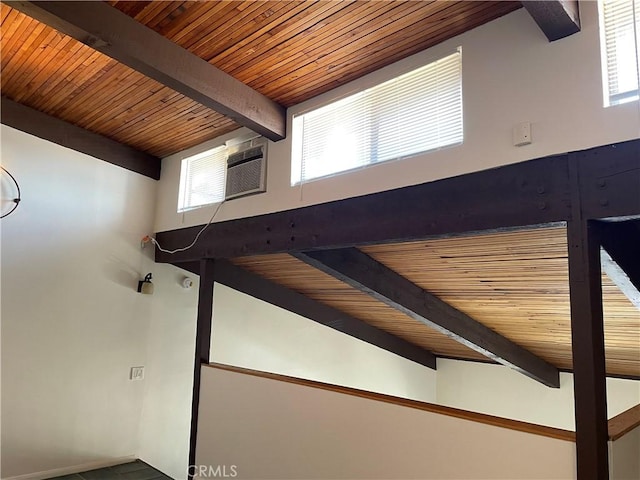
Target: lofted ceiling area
{"x": 533, "y": 264}
{"x": 528, "y": 265}
{"x": 286, "y": 51}
{"x": 515, "y": 283}
{"x": 143, "y": 80}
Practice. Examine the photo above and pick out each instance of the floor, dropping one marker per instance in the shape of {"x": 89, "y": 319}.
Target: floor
{"x": 137, "y": 470}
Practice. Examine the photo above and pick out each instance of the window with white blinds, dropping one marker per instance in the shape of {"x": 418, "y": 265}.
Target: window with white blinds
{"x": 413, "y": 113}
{"x": 620, "y": 38}
{"x": 202, "y": 179}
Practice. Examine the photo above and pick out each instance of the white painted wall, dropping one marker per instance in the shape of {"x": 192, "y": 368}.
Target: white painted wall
{"x": 72, "y": 322}
{"x": 73, "y": 325}
{"x": 511, "y": 73}
{"x": 624, "y": 457}
{"x": 500, "y": 391}
{"x": 270, "y": 430}
{"x": 166, "y": 414}
{"x": 253, "y": 334}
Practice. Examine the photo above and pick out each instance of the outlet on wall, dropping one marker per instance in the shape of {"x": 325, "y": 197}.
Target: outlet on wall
{"x": 522, "y": 134}
{"x": 137, "y": 373}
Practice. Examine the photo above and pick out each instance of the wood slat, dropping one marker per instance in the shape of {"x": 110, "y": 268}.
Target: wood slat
{"x": 623, "y": 423}
{"x": 289, "y": 51}
{"x": 298, "y": 276}
{"x": 76, "y": 84}
{"x": 515, "y": 283}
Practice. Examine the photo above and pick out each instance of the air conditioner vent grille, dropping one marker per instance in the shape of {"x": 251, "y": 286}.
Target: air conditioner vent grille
{"x": 245, "y": 155}
{"x": 246, "y": 172}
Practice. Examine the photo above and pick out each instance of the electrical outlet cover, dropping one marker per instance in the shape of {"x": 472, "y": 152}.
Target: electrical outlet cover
{"x": 137, "y": 373}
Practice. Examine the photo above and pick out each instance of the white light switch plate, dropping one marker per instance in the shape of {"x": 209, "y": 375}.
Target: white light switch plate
{"x": 137, "y": 373}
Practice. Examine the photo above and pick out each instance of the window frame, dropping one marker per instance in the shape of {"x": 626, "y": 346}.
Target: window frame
{"x": 186, "y": 191}
{"x": 627, "y": 96}
{"x": 373, "y": 131}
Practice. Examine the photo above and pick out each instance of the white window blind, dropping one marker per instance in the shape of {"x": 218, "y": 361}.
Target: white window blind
{"x": 413, "y": 113}
{"x": 620, "y": 25}
{"x": 202, "y": 179}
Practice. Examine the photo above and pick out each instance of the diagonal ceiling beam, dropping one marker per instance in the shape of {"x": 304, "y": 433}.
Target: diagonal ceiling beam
{"x": 49, "y": 128}
{"x": 556, "y": 18}
{"x": 119, "y": 36}
{"x": 362, "y": 272}
{"x": 620, "y": 257}
{"x": 258, "y": 287}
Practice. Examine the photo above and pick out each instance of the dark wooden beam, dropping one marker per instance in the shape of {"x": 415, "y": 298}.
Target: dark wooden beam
{"x": 587, "y": 334}
{"x": 587, "y": 342}
{"x": 251, "y": 284}
{"x": 49, "y": 128}
{"x": 119, "y": 36}
{"x": 609, "y": 181}
{"x": 556, "y": 18}
{"x": 202, "y": 347}
{"x": 362, "y": 272}
{"x": 529, "y": 193}
{"x": 621, "y": 256}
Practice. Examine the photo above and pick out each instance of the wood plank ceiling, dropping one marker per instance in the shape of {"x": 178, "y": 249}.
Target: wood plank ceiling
{"x": 515, "y": 283}
{"x": 289, "y": 51}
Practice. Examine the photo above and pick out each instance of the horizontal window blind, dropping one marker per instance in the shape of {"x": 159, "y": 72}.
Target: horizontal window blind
{"x": 202, "y": 179}
{"x": 413, "y": 113}
{"x": 620, "y": 22}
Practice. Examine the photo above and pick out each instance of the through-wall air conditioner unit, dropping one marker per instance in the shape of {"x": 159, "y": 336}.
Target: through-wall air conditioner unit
{"x": 246, "y": 167}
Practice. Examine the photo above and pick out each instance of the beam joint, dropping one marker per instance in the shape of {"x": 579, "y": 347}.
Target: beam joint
{"x": 587, "y": 333}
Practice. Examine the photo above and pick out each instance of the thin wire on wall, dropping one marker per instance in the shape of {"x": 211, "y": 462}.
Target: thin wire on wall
{"x": 16, "y": 200}
{"x": 182, "y": 249}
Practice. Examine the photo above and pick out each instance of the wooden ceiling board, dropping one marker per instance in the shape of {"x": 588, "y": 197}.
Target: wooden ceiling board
{"x": 57, "y": 75}
{"x": 296, "y": 275}
{"x": 283, "y": 45}
{"x": 259, "y": 43}
{"x": 364, "y": 54}
{"x": 516, "y": 283}
{"x": 340, "y": 30}
{"x": 288, "y": 50}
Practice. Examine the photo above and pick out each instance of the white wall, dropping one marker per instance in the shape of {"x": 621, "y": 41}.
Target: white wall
{"x": 73, "y": 325}
{"x": 72, "y": 322}
{"x": 253, "y": 334}
{"x": 624, "y": 457}
{"x": 269, "y": 430}
{"x": 500, "y": 391}
{"x": 166, "y": 414}
{"x": 511, "y": 73}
